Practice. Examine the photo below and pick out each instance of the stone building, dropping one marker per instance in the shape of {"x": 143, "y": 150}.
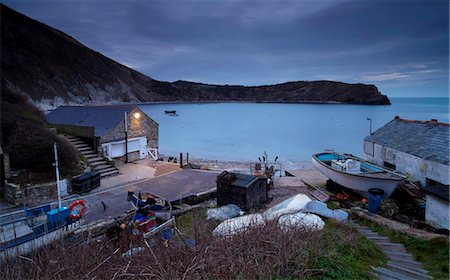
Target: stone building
{"x": 419, "y": 149}
{"x": 103, "y": 127}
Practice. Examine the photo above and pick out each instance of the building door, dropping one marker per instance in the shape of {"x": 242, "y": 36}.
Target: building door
{"x": 143, "y": 148}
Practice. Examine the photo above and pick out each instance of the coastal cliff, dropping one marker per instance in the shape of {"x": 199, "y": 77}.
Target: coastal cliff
{"x": 53, "y": 68}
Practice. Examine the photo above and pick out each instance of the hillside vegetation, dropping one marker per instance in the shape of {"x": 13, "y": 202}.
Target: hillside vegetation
{"x": 53, "y": 68}
{"x": 337, "y": 252}
{"x": 29, "y": 142}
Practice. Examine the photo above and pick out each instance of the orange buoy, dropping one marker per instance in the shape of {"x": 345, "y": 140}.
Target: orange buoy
{"x": 77, "y": 209}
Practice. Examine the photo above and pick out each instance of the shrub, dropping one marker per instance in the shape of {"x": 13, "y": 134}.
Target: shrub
{"x": 259, "y": 253}
{"x": 28, "y": 140}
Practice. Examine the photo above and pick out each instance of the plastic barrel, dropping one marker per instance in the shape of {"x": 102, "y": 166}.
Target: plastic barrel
{"x": 375, "y": 196}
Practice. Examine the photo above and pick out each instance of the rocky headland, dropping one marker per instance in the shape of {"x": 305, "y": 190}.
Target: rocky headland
{"x": 52, "y": 68}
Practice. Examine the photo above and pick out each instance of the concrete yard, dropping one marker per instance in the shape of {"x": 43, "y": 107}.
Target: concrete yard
{"x": 110, "y": 199}
{"x": 171, "y": 186}
{"x": 166, "y": 180}
{"x": 285, "y": 187}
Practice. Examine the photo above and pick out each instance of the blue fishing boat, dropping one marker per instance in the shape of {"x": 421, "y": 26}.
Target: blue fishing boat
{"x": 355, "y": 173}
{"x": 147, "y": 200}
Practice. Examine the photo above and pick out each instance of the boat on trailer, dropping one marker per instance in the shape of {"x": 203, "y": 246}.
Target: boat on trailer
{"x": 147, "y": 200}
{"x": 355, "y": 173}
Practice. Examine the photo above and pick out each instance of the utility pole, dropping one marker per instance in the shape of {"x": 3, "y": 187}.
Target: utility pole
{"x": 126, "y": 136}
{"x": 370, "y": 125}
{"x": 57, "y": 174}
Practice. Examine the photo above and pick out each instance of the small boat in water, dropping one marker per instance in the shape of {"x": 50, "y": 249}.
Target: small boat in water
{"x": 355, "y": 173}
{"x": 172, "y": 113}
{"x": 147, "y": 200}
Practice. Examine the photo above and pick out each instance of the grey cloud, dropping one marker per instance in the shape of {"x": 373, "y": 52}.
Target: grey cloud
{"x": 262, "y": 42}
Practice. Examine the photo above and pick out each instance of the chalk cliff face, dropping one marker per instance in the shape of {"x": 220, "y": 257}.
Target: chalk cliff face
{"x": 53, "y": 68}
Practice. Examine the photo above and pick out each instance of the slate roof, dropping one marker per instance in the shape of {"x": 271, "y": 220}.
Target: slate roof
{"x": 102, "y": 118}
{"x": 243, "y": 180}
{"x": 425, "y": 139}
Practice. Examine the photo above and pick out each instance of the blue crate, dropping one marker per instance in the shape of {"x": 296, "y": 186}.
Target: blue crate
{"x": 58, "y": 216}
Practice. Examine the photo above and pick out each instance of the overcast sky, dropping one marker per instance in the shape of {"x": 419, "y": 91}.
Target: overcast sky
{"x": 400, "y": 46}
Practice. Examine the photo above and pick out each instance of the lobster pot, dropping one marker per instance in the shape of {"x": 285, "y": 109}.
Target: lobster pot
{"x": 246, "y": 191}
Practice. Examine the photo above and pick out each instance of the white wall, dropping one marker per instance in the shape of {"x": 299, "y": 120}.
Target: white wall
{"x": 437, "y": 212}
{"x": 418, "y": 168}
{"x": 117, "y": 149}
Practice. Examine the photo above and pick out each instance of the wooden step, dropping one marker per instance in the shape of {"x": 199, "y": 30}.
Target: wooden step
{"x": 406, "y": 261}
{"x": 355, "y": 225}
{"x": 408, "y": 272}
{"x": 391, "y": 274}
{"x": 378, "y": 238}
{"x": 391, "y": 246}
{"x": 109, "y": 173}
{"x": 85, "y": 149}
{"x": 365, "y": 230}
{"x": 410, "y": 266}
{"x": 397, "y": 254}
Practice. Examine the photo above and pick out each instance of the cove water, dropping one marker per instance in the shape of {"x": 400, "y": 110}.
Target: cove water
{"x": 293, "y": 132}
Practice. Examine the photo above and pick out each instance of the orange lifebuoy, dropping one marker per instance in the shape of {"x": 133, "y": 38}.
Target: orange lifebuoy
{"x": 74, "y": 215}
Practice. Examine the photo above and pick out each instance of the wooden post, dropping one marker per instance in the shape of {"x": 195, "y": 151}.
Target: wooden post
{"x": 181, "y": 160}
{"x": 126, "y": 136}
{"x": 187, "y": 158}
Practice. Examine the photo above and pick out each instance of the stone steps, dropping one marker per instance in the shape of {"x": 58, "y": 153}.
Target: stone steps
{"x": 89, "y": 156}
{"x": 102, "y": 167}
{"x": 80, "y": 145}
{"x": 91, "y": 160}
{"x": 109, "y": 173}
{"x": 96, "y": 161}
{"x": 401, "y": 264}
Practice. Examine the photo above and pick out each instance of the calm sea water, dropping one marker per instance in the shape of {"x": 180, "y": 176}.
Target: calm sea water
{"x": 243, "y": 131}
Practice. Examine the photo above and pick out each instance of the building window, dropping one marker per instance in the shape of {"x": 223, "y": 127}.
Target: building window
{"x": 433, "y": 183}
{"x": 389, "y": 165}
{"x": 368, "y": 148}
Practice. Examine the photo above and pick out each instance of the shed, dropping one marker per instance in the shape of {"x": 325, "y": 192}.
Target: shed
{"x": 419, "y": 149}
{"x": 103, "y": 127}
{"x": 246, "y": 191}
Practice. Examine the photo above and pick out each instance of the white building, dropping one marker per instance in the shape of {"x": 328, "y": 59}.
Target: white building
{"x": 419, "y": 149}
